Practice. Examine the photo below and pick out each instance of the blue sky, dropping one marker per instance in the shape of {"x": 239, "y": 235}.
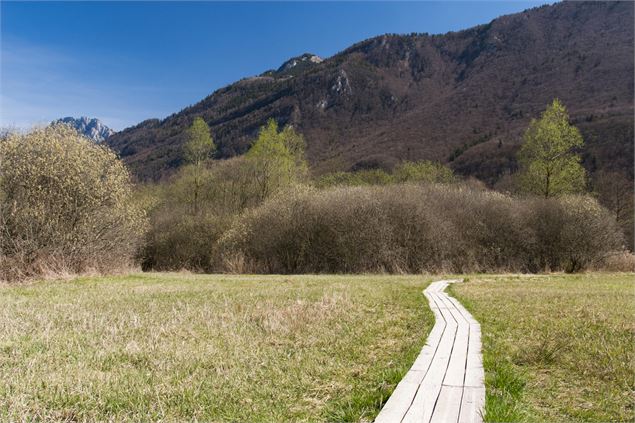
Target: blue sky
{"x": 124, "y": 62}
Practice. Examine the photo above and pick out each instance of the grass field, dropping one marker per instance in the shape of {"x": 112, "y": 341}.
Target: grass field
{"x": 300, "y": 348}
{"x": 556, "y": 348}
{"x": 184, "y": 347}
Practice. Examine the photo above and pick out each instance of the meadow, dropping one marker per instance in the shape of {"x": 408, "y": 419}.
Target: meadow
{"x": 213, "y": 348}
{"x": 178, "y": 346}
{"x": 556, "y": 347}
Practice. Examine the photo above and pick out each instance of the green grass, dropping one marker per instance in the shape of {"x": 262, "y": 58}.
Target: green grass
{"x": 305, "y": 348}
{"x": 215, "y": 348}
{"x": 556, "y": 348}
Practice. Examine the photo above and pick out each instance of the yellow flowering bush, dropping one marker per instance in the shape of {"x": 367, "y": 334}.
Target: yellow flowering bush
{"x": 66, "y": 205}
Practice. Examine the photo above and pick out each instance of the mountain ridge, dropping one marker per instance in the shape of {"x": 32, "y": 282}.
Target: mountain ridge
{"x": 461, "y": 98}
{"x": 92, "y": 128}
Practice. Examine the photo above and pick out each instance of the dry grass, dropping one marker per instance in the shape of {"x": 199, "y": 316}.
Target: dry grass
{"x": 556, "y": 348}
{"x": 215, "y": 348}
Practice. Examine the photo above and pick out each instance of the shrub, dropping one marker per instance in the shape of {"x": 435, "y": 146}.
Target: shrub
{"x": 415, "y": 228}
{"x": 590, "y": 233}
{"x": 614, "y": 191}
{"x": 618, "y": 262}
{"x": 487, "y": 231}
{"x": 65, "y": 205}
{"x": 306, "y": 233}
{"x": 357, "y": 178}
{"x": 182, "y": 236}
{"x": 179, "y": 240}
{"x": 571, "y": 233}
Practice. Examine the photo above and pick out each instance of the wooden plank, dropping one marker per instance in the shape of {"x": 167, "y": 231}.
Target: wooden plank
{"x": 446, "y": 312}
{"x": 423, "y": 404}
{"x": 401, "y": 399}
{"x": 414, "y": 376}
{"x": 474, "y": 373}
{"x": 398, "y": 403}
{"x": 456, "y": 368}
{"x": 444, "y": 348}
{"x": 440, "y": 361}
{"x": 424, "y": 359}
{"x": 463, "y": 311}
{"x": 472, "y": 405}
{"x": 455, "y": 373}
{"x": 448, "y": 405}
{"x": 445, "y": 383}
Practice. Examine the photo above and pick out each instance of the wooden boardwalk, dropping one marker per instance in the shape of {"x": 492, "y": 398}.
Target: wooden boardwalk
{"x": 446, "y": 381}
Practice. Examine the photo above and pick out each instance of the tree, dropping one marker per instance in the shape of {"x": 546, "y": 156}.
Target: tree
{"x": 424, "y": 171}
{"x": 199, "y": 146}
{"x": 276, "y": 158}
{"x": 197, "y": 150}
{"x": 549, "y": 163}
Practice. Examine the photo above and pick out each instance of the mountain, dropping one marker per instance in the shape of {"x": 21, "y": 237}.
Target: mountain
{"x": 92, "y": 128}
{"x": 462, "y": 98}
{"x": 295, "y": 66}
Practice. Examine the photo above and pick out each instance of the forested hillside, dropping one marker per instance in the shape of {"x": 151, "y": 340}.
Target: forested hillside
{"x": 462, "y": 98}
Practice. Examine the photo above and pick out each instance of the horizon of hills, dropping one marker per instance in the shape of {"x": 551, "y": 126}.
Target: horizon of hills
{"x": 462, "y": 98}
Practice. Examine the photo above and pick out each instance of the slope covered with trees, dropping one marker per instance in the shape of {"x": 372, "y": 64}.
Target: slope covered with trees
{"x": 463, "y": 98}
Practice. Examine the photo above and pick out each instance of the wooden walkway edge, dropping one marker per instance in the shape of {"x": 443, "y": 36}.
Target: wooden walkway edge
{"x": 446, "y": 381}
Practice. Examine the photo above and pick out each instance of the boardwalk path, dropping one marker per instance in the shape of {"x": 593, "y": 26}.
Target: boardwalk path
{"x": 445, "y": 383}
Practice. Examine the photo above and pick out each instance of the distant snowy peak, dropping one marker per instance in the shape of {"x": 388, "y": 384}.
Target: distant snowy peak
{"x": 92, "y": 128}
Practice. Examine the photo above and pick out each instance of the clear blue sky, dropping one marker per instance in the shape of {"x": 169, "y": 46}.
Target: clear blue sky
{"x": 124, "y": 62}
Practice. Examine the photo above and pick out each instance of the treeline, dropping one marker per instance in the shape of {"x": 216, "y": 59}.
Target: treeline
{"x": 263, "y": 213}
{"x": 68, "y": 206}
